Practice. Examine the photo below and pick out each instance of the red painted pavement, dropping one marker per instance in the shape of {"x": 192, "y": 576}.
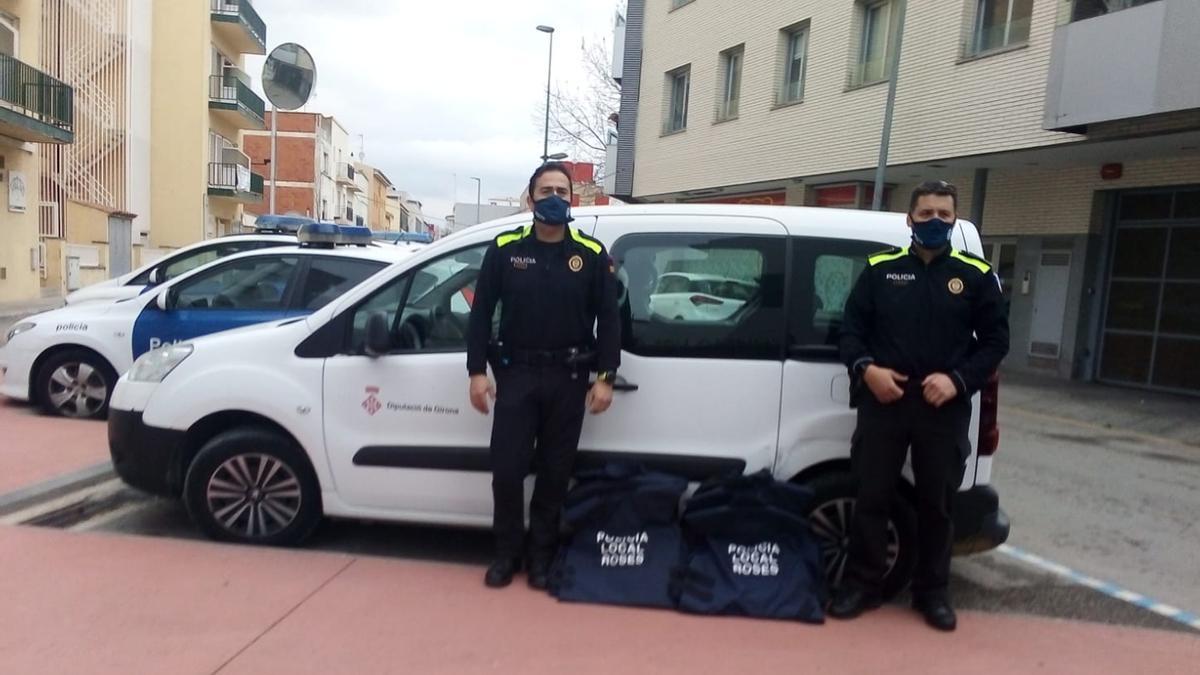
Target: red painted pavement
{"x": 91, "y": 603}
{"x": 34, "y": 448}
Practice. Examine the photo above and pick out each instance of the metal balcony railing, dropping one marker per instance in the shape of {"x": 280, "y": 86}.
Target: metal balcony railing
{"x": 36, "y": 95}
{"x": 234, "y": 178}
{"x": 245, "y": 12}
{"x": 232, "y": 91}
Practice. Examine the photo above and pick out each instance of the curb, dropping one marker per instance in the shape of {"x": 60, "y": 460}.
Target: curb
{"x": 11, "y": 502}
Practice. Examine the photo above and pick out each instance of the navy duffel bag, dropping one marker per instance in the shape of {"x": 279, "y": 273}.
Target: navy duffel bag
{"x": 625, "y": 542}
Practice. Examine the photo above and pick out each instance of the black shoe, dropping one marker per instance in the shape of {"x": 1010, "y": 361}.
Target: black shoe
{"x": 539, "y": 574}
{"x": 851, "y": 602}
{"x": 500, "y": 572}
{"x": 937, "y": 612}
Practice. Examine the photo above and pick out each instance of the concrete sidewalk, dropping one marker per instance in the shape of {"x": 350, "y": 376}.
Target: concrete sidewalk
{"x": 35, "y": 449}
{"x": 1132, "y": 412}
{"x": 88, "y": 603}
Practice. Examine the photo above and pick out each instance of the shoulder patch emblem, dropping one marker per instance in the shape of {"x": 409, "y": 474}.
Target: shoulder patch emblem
{"x": 575, "y": 263}
{"x": 956, "y": 286}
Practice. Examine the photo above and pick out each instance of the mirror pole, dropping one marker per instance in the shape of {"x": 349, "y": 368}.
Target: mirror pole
{"x": 274, "y": 135}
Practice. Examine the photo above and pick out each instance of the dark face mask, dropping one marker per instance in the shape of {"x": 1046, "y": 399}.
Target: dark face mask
{"x": 932, "y": 234}
{"x": 552, "y": 210}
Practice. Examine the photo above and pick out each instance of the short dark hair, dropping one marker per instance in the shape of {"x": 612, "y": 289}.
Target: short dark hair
{"x": 940, "y": 188}
{"x": 551, "y": 166}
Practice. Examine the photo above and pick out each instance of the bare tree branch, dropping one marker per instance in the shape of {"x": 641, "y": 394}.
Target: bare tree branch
{"x": 581, "y": 115}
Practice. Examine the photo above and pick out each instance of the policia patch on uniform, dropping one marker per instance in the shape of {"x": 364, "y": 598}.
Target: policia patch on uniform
{"x": 575, "y": 263}
{"x": 955, "y": 286}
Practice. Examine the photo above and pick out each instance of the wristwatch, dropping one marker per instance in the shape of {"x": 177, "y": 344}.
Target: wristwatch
{"x": 606, "y": 376}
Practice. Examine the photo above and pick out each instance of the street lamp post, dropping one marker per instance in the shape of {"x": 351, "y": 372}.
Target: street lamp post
{"x": 478, "y": 192}
{"x": 549, "y": 66}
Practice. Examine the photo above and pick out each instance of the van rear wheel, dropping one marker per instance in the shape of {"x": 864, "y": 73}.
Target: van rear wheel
{"x": 831, "y": 516}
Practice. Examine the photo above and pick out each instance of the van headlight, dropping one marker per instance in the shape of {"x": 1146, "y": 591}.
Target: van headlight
{"x": 155, "y": 365}
{"x": 17, "y": 330}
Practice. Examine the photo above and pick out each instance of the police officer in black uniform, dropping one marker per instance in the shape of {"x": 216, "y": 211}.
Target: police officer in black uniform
{"x": 924, "y": 329}
{"x": 553, "y": 284}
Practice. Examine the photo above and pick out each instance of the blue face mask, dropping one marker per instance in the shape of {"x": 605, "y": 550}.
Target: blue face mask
{"x": 552, "y": 210}
{"x": 932, "y": 234}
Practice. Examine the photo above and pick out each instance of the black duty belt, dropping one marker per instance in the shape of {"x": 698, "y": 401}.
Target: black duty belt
{"x": 570, "y": 357}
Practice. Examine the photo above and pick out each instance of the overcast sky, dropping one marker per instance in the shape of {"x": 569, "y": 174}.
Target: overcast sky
{"x": 438, "y": 88}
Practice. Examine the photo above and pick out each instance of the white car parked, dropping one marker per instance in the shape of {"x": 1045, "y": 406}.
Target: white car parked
{"x": 270, "y": 230}
{"x": 685, "y": 296}
{"x": 360, "y": 410}
{"x": 67, "y": 360}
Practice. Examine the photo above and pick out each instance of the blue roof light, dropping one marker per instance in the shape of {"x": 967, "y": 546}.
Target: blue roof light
{"x": 273, "y": 222}
{"x": 322, "y": 235}
{"x": 354, "y": 235}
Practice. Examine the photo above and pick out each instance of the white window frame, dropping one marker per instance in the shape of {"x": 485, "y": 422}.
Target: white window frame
{"x": 792, "y": 36}
{"x": 12, "y": 25}
{"x": 732, "y": 65}
{"x": 674, "y": 78}
{"x": 885, "y": 9}
{"x": 977, "y": 34}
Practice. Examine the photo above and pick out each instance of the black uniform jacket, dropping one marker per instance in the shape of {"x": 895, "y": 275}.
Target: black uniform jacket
{"x": 551, "y": 296}
{"x": 946, "y": 317}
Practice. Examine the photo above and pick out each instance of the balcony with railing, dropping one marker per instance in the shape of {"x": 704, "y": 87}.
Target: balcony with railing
{"x": 34, "y": 107}
{"x": 241, "y": 26}
{"x": 347, "y": 176}
{"x": 232, "y": 178}
{"x": 231, "y": 98}
{"x": 1122, "y": 59}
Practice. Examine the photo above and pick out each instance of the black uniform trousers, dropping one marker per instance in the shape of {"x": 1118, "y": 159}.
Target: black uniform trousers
{"x": 538, "y": 419}
{"x": 940, "y": 445}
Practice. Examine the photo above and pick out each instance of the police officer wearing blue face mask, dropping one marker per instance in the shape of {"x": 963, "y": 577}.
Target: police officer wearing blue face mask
{"x": 924, "y": 329}
{"x": 554, "y": 284}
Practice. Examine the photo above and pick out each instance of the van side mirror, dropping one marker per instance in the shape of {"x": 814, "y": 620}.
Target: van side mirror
{"x": 156, "y": 276}
{"x": 379, "y": 335}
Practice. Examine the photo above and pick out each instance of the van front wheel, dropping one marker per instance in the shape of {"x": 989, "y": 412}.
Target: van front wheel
{"x": 830, "y": 517}
{"x": 253, "y": 486}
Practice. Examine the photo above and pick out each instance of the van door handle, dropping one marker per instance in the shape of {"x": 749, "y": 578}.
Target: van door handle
{"x": 622, "y": 384}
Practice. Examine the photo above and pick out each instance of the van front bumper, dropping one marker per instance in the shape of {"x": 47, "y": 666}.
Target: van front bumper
{"x": 148, "y": 458}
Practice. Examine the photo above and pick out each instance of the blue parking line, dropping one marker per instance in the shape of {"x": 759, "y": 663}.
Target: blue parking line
{"x": 1190, "y": 619}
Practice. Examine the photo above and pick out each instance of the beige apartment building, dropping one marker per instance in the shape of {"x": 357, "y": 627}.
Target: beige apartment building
{"x": 202, "y": 101}
{"x": 35, "y": 109}
{"x": 1072, "y": 128}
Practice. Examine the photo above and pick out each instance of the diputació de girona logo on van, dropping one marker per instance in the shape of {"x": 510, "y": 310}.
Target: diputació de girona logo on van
{"x": 371, "y": 403}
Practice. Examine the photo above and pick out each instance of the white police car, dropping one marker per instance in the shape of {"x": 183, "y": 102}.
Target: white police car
{"x": 68, "y": 359}
{"x": 361, "y": 409}
{"x": 270, "y": 230}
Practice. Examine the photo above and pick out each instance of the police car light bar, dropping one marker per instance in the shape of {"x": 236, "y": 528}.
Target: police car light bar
{"x": 355, "y": 236}
{"x": 328, "y": 235}
{"x": 271, "y": 222}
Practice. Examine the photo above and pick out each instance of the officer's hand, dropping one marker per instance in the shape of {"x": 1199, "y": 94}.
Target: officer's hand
{"x": 884, "y": 383}
{"x": 481, "y": 391}
{"x": 939, "y": 389}
{"x": 599, "y": 398}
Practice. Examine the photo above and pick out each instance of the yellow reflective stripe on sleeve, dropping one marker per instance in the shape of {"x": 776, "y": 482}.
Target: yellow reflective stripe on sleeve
{"x": 973, "y": 262}
{"x": 587, "y": 241}
{"x": 510, "y": 237}
{"x": 886, "y": 256}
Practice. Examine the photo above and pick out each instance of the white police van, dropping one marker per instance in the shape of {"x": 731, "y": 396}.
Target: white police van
{"x": 269, "y": 230}
{"x": 361, "y": 409}
{"x": 68, "y": 359}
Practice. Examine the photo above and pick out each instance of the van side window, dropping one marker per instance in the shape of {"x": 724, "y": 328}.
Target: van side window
{"x": 824, "y": 272}
{"x": 701, "y": 295}
{"x": 428, "y": 309}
